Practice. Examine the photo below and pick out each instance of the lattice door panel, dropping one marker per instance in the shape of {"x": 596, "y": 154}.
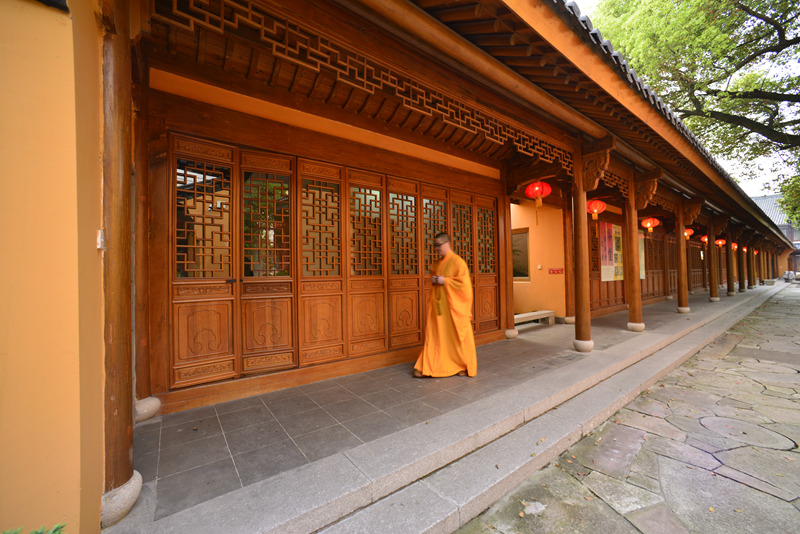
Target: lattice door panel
{"x": 405, "y": 326}
{"x": 203, "y": 289}
{"x": 367, "y": 331}
{"x": 320, "y": 323}
{"x": 267, "y": 301}
{"x": 487, "y": 305}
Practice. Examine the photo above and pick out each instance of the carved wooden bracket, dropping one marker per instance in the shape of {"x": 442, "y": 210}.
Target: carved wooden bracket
{"x": 719, "y": 223}
{"x": 691, "y": 210}
{"x": 596, "y": 157}
{"x": 645, "y": 186}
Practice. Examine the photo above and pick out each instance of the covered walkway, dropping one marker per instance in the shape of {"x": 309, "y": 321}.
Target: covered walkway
{"x": 265, "y": 464}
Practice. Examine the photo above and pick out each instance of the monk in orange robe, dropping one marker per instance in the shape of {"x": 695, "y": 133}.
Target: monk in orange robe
{"x": 449, "y": 344}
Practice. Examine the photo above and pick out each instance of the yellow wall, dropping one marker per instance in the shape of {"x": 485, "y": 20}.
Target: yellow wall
{"x": 51, "y": 451}
{"x": 544, "y": 291}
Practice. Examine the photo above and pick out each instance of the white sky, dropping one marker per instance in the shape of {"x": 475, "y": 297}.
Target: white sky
{"x": 754, "y": 188}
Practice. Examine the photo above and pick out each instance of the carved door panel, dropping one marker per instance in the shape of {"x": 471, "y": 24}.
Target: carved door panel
{"x": 434, "y": 220}
{"x": 203, "y": 266}
{"x": 321, "y": 289}
{"x": 405, "y": 325}
{"x": 367, "y": 278}
{"x": 267, "y": 301}
{"x": 487, "y": 280}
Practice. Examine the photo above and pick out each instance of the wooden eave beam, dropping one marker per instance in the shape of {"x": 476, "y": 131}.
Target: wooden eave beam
{"x": 519, "y": 173}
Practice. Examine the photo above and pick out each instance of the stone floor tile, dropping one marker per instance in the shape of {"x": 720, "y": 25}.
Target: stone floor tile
{"x": 238, "y": 404}
{"x": 412, "y": 412}
{"x": 650, "y": 424}
{"x": 268, "y": 461}
{"x": 656, "y": 519}
{"x": 177, "y": 435}
{"x": 445, "y": 401}
{"x": 326, "y": 442}
{"x": 192, "y": 454}
{"x": 331, "y": 395}
{"x": 350, "y": 409}
{"x": 288, "y": 407}
{"x": 179, "y": 418}
{"x": 373, "y": 426}
{"x": 611, "y": 450}
{"x": 305, "y": 422}
{"x": 682, "y": 452}
{"x": 255, "y": 436}
{"x": 621, "y": 496}
{"x": 386, "y": 398}
{"x": 241, "y": 418}
{"x": 185, "y": 489}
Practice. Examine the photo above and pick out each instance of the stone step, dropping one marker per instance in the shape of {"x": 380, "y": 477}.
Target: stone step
{"x": 448, "y": 498}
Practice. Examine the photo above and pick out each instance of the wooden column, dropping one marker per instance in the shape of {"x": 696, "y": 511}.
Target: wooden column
{"x": 569, "y": 257}
{"x": 683, "y": 277}
{"x": 751, "y": 267}
{"x": 633, "y": 285}
{"x": 713, "y": 282}
{"x": 117, "y": 272}
{"x": 729, "y": 262}
{"x": 667, "y": 276}
{"x": 583, "y": 330}
{"x": 511, "y": 330}
{"x": 742, "y": 271}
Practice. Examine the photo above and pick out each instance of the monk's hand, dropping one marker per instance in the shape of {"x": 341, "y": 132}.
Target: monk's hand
{"x": 437, "y": 280}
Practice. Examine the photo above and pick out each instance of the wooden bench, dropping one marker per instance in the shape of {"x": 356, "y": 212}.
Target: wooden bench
{"x": 543, "y": 316}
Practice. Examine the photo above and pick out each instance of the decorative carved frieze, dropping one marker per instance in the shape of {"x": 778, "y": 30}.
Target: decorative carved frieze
{"x": 186, "y": 374}
{"x": 202, "y": 291}
{"x": 594, "y": 167}
{"x": 253, "y": 363}
{"x": 203, "y": 149}
{"x": 297, "y": 42}
{"x": 260, "y": 288}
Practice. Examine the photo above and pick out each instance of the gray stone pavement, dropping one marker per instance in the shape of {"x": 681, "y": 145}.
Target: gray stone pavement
{"x": 710, "y": 448}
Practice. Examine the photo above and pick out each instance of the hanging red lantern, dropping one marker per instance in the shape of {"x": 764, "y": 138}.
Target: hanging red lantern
{"x": 595, "y": 207}
{"x": 755, "y": 252}
{"x": 719, "y": 242}
{"x": 537, "y": 191}
{"x": 688, "y": 233}
{"x": 744, "y": 249}
{"x": 735, "y": 246}
{"x": 650, "y": 223}
{"x": 704, "y": 239}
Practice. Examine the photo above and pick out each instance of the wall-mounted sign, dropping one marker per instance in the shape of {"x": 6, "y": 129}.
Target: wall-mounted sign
{"x": 558, "y": 270}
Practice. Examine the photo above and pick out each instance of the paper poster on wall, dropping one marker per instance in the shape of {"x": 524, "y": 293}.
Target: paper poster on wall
{"x": 642, "y": 274}
{"x": 606, "y": 242}
{"x": 619, "y": 269}
{"x": 610, "y": 242}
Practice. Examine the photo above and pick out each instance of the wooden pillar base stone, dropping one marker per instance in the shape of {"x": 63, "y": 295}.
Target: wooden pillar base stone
{"x": 512, "y": 333}
{"x": 682, "y": 309}
{"x": 582, "y": 345}
{"x": 713, "y": 299}
{"x": 636, "y": 327}
{"x": 569, "y": 319}
{"x": 118, "y": 502}
{"x": 144, "y": 409}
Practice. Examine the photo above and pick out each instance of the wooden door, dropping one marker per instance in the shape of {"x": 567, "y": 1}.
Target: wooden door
{"x": 321, "y": 292}
{"x": 267, "y": 291}
{"x": 203, "y": 263}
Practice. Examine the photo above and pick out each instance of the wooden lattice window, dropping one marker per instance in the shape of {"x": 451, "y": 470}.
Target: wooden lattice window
{"x": 321, "y": 214}
{"x": 487, "y": 260}
{"x": 203, "y": 219}
{"x": 434, "y": 221}
{"x": 366, "y": 246}
{"x": 462, "y": 233}
{"x": 267, "y": 223}
{"x": 403, "y": 234}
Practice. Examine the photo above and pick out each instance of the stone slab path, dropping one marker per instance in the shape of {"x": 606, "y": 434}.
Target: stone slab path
{"x": 711, "y": 448}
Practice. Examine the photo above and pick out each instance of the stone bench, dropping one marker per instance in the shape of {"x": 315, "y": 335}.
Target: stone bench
{"x": 543, "y": 316}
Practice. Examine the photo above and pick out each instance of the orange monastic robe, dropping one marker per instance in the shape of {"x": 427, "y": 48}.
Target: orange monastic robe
{"x": 449, "y": 343}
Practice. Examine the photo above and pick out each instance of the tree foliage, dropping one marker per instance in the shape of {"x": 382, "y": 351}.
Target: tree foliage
{"x": 729, "y": 68}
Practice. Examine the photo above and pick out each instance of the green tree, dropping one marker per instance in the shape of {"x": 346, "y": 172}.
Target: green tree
{"x": 790, "y": 200}
{"x": 730, "y": 69}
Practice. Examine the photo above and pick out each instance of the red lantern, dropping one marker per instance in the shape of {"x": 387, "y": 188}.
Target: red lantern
{"x": 537, "y": 191}
{"x": 704, "y": 239}
{"x": 744, "y": 249}
{"x": 755, "y": 252}
{"x": 688, "y": 233}
{"x": 719, "y": 242}
{"x": 650, "y": 223}
{"x": 595, "y": 207}
{"x": 735, "y": 246}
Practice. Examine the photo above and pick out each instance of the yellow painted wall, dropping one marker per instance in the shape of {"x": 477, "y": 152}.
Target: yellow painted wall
{"x": 544, "y": 291}
{"x": 51, "y": 375}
